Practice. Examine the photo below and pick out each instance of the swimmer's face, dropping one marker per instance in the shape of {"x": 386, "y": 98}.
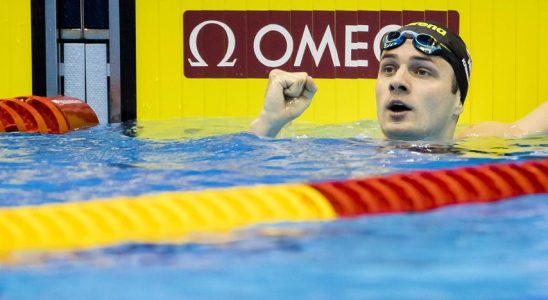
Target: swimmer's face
{"x": 414, "y": 97}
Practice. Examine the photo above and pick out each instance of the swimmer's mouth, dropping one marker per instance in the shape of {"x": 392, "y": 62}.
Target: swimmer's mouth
{"x": 397, "y": 106}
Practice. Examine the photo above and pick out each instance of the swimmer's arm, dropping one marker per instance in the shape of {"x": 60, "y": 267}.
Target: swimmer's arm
{"x": 534, "y": 123}
{"x": 287, "y": 97}
{"x": 263, "y": 126}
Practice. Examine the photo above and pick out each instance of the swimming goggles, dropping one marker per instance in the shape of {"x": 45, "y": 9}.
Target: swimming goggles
{"x": 423, "y": 42}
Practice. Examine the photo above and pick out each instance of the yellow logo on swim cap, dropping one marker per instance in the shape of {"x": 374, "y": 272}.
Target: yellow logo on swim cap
{"x": 430, "y": 26}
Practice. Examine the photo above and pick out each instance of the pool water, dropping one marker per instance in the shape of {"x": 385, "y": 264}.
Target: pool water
{"x": 487, "y": 251}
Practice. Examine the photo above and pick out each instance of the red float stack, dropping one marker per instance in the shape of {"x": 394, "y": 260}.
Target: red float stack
{"x": 36, "y": 114}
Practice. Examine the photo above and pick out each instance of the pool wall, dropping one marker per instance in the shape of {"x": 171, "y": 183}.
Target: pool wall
{"x": 15, "y": 48}
{"x": 507, "y": 79}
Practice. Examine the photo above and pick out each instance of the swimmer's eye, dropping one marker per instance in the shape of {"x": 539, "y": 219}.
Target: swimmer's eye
{"x": 388, "y": 69}
{"x": 422, "y": 72}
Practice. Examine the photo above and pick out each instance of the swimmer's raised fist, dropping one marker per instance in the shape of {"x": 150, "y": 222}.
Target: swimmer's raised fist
{"x": 287, "y": 96}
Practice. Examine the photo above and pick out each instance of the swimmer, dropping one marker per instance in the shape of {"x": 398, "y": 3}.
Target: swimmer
{"x": 420, "y": 91}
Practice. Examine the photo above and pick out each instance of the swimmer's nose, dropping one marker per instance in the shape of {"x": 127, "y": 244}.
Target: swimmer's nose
{"x": 398, "y": 86}
{"x": 398, "y": 83}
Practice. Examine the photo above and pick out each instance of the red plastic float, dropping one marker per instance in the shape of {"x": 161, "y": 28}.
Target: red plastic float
{"x": 57, "y": 114}
{"x": 10, "y": 119}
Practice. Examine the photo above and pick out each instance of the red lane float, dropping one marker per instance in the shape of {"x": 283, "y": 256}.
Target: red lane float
{"x": 36, "y": 114}
{"x": 425, "y": 190}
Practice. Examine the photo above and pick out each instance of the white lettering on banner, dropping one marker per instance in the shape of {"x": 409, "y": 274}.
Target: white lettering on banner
{"x": 194, "y": 48}
{"x": 288, "y": 43}
{"x": 317, "y": 53}
{"x": 307, "y": 41}
{"x": 378, "y": 37}
{"x": 349, "y": 46}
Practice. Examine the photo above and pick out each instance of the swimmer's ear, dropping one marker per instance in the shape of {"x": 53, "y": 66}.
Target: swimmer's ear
{"x": 459, "y": 107}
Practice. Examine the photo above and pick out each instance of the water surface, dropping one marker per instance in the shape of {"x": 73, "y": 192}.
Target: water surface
{"x": 487, "y": 251}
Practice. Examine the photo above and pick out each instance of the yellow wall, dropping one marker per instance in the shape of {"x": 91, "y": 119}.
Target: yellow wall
{"x": 15, "y": 48}
{"x": 507, "y": 39}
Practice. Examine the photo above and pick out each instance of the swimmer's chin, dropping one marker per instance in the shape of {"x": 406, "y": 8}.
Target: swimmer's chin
{"x": 411, "y": 136}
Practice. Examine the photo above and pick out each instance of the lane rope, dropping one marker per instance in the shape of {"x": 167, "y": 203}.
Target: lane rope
{"x": 172, "y": 216}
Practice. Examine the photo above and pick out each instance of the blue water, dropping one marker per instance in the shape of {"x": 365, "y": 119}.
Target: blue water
{"x": 487, "y": 251}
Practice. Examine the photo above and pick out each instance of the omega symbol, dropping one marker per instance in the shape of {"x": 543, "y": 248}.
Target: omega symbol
{"x": 200, "y": 62}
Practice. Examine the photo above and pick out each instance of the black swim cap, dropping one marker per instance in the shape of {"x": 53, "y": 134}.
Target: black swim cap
{"x": 459, "y": 59}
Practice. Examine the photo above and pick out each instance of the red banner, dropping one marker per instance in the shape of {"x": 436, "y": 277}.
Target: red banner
{"x": 326, "y": 44}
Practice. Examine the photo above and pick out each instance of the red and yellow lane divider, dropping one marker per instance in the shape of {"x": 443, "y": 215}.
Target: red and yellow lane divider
{"x": 173, "y": 216}
{"x": 45, "y": 115}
